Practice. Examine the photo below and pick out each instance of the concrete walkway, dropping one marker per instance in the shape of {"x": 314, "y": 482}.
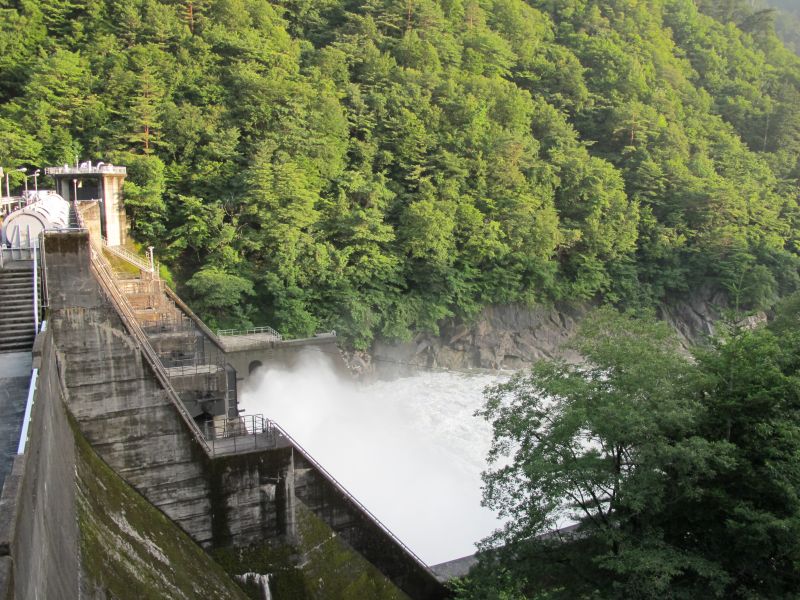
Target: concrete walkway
{"x": 15, "y": 377}
{"x": 247, "y": 443}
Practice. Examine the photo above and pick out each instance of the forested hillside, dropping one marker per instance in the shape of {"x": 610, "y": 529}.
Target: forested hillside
{"x": 787, "y": 22}
{"x": 375, "y": 166}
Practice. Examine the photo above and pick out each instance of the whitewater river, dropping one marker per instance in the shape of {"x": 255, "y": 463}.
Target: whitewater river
{"x": 409, "y": 449}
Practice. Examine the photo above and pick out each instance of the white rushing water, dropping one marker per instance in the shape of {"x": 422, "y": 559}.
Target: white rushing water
{"x": 409, "y": 449}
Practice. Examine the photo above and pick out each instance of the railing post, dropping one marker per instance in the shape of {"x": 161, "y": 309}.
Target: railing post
{"x": 35, "y": 292}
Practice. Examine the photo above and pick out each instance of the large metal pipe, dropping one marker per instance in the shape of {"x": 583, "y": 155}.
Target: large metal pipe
{"x": 48, "y": 211}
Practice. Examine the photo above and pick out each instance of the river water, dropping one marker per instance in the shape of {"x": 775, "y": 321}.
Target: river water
{"x": 409, "y": 449}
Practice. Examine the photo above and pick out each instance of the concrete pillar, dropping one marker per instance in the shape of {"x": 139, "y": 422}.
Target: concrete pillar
{"x": 114, "y": 211}
{"x": 289, "y": 516}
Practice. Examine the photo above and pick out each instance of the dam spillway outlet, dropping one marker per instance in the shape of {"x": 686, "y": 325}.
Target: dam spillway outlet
{"x": 411, "y": 449}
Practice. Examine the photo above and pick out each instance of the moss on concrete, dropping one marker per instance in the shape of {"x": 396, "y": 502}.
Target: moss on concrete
{"x": 320, "y": 566}
{"x": 286, "y": 581}
{"x": 123, "y": 266}
{"x": 120, "y": 265}
{"x": 130, "y": 549}
{"x": 333, "y": 569}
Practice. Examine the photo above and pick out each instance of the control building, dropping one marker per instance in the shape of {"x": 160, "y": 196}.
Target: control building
{"x": 100, "y": 183}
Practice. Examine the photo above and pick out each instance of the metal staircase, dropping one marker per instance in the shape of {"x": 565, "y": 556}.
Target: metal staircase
{"x": 17, "y": 321}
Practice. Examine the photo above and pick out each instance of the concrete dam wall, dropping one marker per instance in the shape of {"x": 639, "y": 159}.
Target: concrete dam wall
{"x": 120, "y": 407}
{"x": 73, "y": 529}
{"x": 38, "y": 522}
{"x": 97, "y": 371}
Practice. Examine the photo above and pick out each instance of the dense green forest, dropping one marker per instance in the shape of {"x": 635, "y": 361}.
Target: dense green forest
{"x": 376, "y": 166}
{"x": 680, "y": 474}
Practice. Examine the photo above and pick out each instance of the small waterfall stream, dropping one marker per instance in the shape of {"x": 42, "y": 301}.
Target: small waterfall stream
{"x": 261, "y": 581}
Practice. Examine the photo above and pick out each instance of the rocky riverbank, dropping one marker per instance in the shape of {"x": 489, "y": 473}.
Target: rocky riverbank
{"x": 510, "y": 337}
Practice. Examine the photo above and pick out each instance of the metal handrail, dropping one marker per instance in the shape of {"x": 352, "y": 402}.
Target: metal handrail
{"x": 198, "y": 360}
{"x": 209, "y": 369}
{"x": 194, "y": 318}
{"x": 134, "y": 259}
{"x": 26, "y": 419}
{"x": 240, "y": 426}
{"x": 35, "y": 289}
{"x": 106, "y": 279}
{"x": 67, "y": 170}
{"x": 17, "y": 253}
{"x": 169, "y": 325}
{"x": 247, "y": 432}
{"x": 254, "y": 330}
{"x": 78, "y": 215}
{"x": 333, "y": 481}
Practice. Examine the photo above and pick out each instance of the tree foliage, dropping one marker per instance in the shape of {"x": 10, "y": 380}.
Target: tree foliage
{"x": 377, "y": 166}
{"x": 667, "y": 477}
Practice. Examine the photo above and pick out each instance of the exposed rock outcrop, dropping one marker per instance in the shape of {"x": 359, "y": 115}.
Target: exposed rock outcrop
{"x": 693, "y": 317}
{"x": 514, "y": 336}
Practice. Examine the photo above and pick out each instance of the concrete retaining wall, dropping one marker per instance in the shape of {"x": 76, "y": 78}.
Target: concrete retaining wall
{"x": 253, "y": 500}
{"x": 43, "y": 531}
{"x": 90, "y": 213}
{"x": 120, "y": 406}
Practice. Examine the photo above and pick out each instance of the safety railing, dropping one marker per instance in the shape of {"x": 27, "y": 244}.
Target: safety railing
{"x": 35, "y": 289}
{"x": 9, "y": 204}
{"x": 240, "y": 434}
{"x": 26, "y": 419}
{"x": 105, "y": 277}
{"x": 171, "y": 324}
{"x": 139, "y": 286}
{"x": 134, "y": 259}
{"x": 169, "y": 360}
{"x": 182, "y": 306}
{"x": 26, "y": 253}
{"x": 342, "y": 490}
{"x": 269, "y": 331}
{"x": 185, "y": 368}
{"x": 85, "y": 169}
{"x": 13, "y": 254}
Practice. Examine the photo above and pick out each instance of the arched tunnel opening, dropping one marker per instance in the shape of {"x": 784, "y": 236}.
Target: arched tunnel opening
{"x": 254, "y": 366}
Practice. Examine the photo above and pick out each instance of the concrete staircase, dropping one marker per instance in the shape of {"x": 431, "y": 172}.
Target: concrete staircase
{"x": 17, "y": 325}
{"x": 194, "y": 364}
